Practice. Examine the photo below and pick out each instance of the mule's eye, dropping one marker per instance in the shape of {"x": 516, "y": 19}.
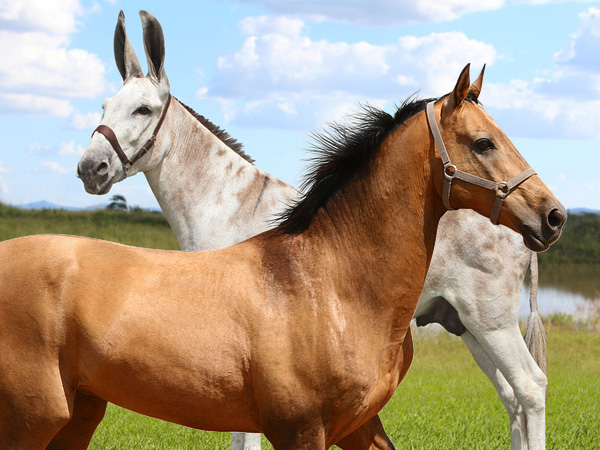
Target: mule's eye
{"x": 484, "y": 145}
{"x": 142, "y": 110}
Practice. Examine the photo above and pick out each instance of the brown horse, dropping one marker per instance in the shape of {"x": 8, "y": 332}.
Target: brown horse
{"x": 301, "y": 333}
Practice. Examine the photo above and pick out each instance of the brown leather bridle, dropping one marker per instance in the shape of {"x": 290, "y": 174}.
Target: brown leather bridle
{"x": 502, "y": 188}
{"x": 109, "y": 134}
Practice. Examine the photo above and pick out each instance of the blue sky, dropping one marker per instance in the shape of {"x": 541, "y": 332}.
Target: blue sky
{"x": 270, "y": 71}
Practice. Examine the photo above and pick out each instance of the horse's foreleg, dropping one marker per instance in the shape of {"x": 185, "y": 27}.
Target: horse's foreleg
{"x": 508, "y": 352}
{"x": 88, "y": 412}
{"x": 30, "y": 414}
{"x": 290, "y": 437}
{"x": 370, "y": 435}
{"x": 245, "y": 441}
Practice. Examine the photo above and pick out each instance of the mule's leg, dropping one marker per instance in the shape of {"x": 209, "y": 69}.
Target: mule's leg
{"x": 518, "y": 436}
{"x": 88, "y": 412}
{"x": 370, "y": 435}
{"x": 507, "y": 350}
{"x": 245, "y": 441}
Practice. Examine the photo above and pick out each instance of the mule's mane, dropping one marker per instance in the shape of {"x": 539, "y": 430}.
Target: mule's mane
{"x": 220, "y": 133}
{"x": 341, "y": 154}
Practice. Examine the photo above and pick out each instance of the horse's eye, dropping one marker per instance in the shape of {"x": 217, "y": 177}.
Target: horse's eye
{"x": 143, "y": 110}
{"x": 484, "y": 144}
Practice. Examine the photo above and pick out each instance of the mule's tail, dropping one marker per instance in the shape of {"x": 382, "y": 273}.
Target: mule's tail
{"x": 535, "y": 337}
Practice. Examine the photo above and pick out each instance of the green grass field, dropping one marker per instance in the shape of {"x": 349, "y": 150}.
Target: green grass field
{"x": 445, "y": 401}
{"x": 142, "y": 228}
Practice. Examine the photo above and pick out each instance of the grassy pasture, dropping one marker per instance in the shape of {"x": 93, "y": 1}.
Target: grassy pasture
{"x": 445, "y": 401}
{"x": 141, "y": 228}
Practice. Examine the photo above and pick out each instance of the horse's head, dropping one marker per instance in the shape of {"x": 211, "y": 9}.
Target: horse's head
{"x": 503, "y": 187}
{"x": 123, "y": 144}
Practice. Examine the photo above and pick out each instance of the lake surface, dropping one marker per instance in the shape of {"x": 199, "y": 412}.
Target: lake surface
{"x": 574, "y": 291}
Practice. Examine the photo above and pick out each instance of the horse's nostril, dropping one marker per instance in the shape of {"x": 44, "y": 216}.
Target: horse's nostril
{"x": 556, "y": 218}
{"x": 102, "y": 168}
{"x": 77, "y": 172}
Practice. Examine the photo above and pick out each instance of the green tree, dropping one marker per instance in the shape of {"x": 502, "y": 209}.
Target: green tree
{"x": 117, "y": 203}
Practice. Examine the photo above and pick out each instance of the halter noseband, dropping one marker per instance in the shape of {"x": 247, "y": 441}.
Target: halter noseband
{"x": 502, "y": 188}
{"x": 109, "y": 134}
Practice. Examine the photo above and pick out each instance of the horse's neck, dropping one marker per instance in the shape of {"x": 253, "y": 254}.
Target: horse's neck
{"x": 211, "y": 196}
{"x": 387, "y": 237}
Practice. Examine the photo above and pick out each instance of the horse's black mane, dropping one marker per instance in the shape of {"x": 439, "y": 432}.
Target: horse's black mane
{"x": 343, "y": 153}
{"x": 223, "y": 135}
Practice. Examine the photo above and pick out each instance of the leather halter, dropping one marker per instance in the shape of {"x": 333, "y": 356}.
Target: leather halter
{"x": 109, "y": 134}
{"x": 502, "y": 188}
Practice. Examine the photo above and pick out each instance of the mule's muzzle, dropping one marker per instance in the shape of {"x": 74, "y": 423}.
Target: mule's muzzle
{"x": 95, "y": 176}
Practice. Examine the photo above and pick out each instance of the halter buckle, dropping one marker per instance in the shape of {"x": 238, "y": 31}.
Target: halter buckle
{"x": 449, "y": 172}
{"x": 502, "y": 189}
{"x": 149, "y": 144}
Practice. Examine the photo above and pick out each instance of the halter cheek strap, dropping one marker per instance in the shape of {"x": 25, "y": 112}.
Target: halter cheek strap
{"x": 502, "y": 188}
{"x": 109, "y": 134}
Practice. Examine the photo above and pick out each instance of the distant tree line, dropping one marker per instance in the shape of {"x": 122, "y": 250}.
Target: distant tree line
{"x": 578, "y": 245}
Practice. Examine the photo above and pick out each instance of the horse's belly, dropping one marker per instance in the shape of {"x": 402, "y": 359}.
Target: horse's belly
{"x": 190, "y": 374}
{"x": 195, "y": 395}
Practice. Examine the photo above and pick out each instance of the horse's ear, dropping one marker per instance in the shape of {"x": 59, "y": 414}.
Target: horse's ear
{"x": 460, "y": 91}
{"x": 475, "y": 88}
{"x": 154, "y": 45}
{"x": 127, "y": 62}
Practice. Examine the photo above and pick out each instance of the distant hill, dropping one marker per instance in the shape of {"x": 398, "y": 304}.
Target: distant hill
{"x": 43, "y": 204}
{"x": 583, "y": 211}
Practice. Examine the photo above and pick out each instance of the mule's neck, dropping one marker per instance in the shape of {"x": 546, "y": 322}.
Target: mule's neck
{"x": 211, "y": 196}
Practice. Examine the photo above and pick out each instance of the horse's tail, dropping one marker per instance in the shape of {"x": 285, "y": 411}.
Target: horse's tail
{"x": 535, "y": 337}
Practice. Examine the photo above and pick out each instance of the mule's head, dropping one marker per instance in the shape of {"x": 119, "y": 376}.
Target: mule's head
{"x": 132, "y": 113}
{"x": 477, "y": 146}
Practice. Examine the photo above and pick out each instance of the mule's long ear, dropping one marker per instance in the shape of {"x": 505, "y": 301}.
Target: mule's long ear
{"x": 154, "y": 44}
{"x": 475, "y": 88}
{"x": 460, "y": 91}
{"x": 127, "y": 62}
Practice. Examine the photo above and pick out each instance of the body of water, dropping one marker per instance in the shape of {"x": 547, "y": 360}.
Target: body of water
{"x": 574, "y": 291}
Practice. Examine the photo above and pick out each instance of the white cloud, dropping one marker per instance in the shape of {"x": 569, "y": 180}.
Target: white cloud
{"x": 70, "y": 149}
{"x": 564, "y": 104}
{"x": 87, "y": 121}
{"x": 40, "y": 73}
{"x": 201, "y": 92}
{"x": 270, "y": 25}
{"x": 3, "y": 169}
{"x": 51, "y": 167}
{"x": 545, "y": 2}
{"x": 30, "y": 104}
{"x": 37, "y": 147}
{"x": 288, "y": 79}
{"x": 51, "y": 16}
{"x": 36, "y": 63}
{"x": 379, "y": 12}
